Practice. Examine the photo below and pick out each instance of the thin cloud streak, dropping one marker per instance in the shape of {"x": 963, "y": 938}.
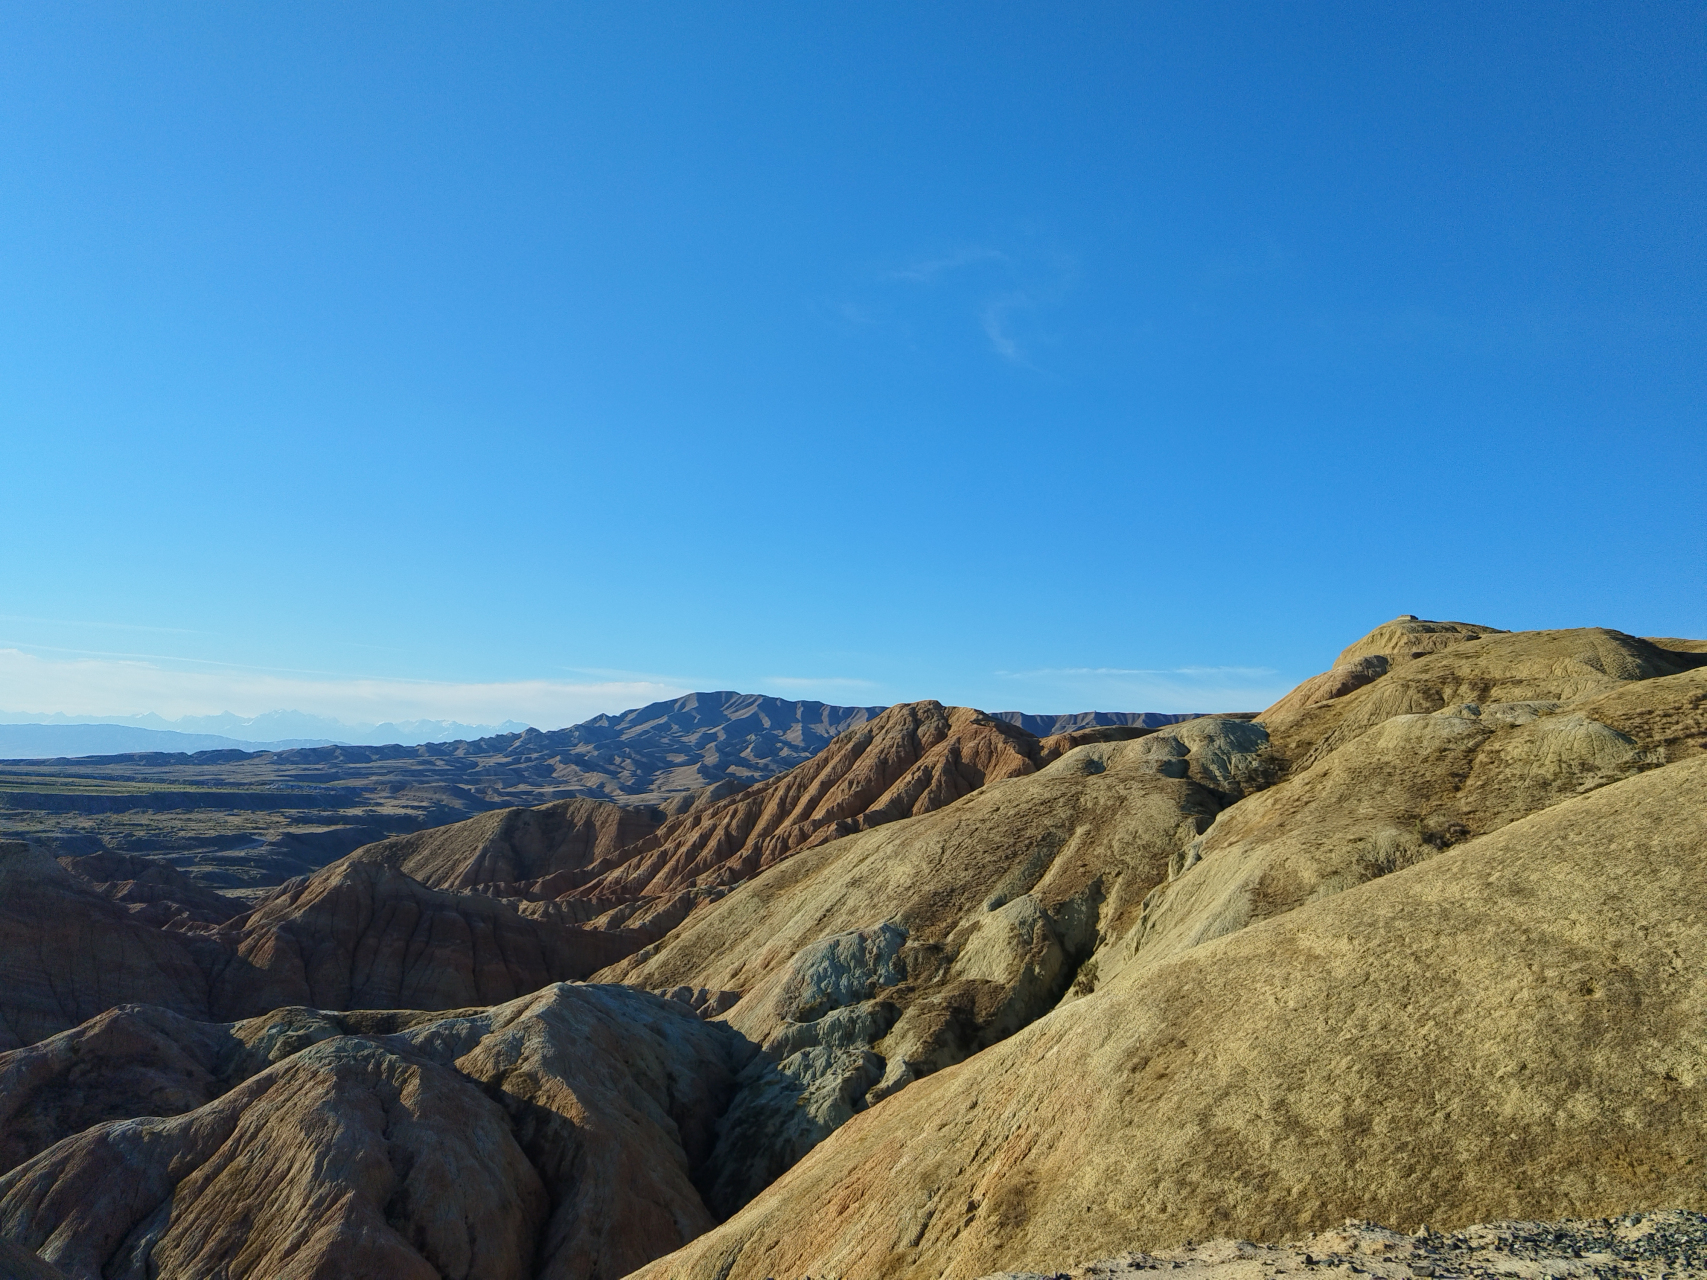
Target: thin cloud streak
{"x": 1017, "y": 286}
{"x": 930, "y": 269}
{"x": 994, "y": 319}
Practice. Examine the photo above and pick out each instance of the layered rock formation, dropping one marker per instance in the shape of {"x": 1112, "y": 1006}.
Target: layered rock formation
{"x": 510, "y": 845}
{"x": 68, "y": 952}
{"x": 913, "y": 759}
{"x": 870, "y": 961}
{"x": 1450, "y": 745}
{"x": 1044, "y": 726}
{"x": 1510, "y": 1029}
{"x": 359, "y": 935}
{"x": 362, "y": 936}
{"x": 152, "y": 891}
{"x": 1416, "y": 943}
{"x": 555, "y": 1136}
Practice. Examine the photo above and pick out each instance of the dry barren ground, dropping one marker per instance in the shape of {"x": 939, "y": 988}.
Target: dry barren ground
{"x": 1639, "y": 1246}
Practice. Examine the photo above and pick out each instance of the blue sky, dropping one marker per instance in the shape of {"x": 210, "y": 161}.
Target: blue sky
{"x": 484, "y": 361}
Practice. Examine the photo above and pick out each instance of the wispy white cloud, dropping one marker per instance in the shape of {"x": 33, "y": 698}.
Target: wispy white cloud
{"x": 930, "y": 269}
{"x": 994, "y": 318}
{"x": 1001, "y": 289}
{"x": 114, "y": 685}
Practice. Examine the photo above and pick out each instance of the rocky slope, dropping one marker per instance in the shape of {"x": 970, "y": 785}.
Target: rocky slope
{"x": 510, "y": 845}
{"x": 395, "y": 924}
{"x": 913, "y": 759}
{"x": 359, "y": 936}
{"x": 1044, "y": 726}
{"x": 1416, "y": 1033}
{"x": 554, "y": 1136}
{"x": 867, "y": 962}
{"x": 1421, "y": 942}
{"x": 1637, "y": 1246}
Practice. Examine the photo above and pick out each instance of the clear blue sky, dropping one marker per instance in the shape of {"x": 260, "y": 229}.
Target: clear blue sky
{"x": 1048, "y": 356}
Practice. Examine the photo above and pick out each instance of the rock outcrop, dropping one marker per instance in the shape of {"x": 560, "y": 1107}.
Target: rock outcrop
{"x": 556, "y": 1136}
{"x": 152, "y": 891}
{"x": 358, "y": 935}
{"x": 914, "y": 758}
{"x": 1449, "y": 746}
{"x": 68, "y": 952}
{"x": 1458, "y": 665}
{"x": 870, "y": 961}
{"x": 1511, "y": 1029}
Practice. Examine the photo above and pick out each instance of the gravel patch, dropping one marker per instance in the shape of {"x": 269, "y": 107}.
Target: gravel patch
{"x": 1666, "y": 1245}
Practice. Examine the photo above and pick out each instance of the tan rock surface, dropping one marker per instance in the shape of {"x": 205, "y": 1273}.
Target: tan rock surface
{"x": 1415, "y": 782}
{"x": 359, "y": 935}
{"x": 509, "y": 845}
{"x": 1512, "y": 1029}
{"x": 556, "y": 1136}
{"x": 870, "y": 961}
{"x": 1405, "y": 639}
{"x": 1498, "y": 667}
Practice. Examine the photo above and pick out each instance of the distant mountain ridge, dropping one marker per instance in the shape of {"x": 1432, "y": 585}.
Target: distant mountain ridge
{"x": 644, "y": 756}
{"x": 1048, "y": 726}
{"x": 265, "y": 816}
{"x": 256, "y": 828}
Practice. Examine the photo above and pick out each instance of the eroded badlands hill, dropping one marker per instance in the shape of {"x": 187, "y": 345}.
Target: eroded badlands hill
{"x": 1501, "y": 1024}
{"x": 555, "y": 1136}
{"x": 1420, "y": 943}
{"x": 475, "y": 912}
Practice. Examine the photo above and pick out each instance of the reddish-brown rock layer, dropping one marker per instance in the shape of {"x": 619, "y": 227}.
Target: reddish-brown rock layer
{"x": 914, "y": 758}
